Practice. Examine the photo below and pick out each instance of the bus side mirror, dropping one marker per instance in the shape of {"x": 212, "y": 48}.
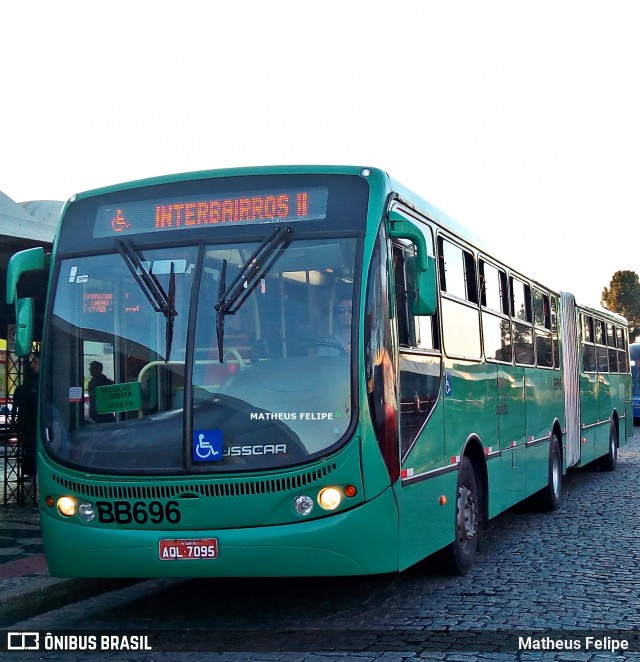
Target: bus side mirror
{"x": 33, "y": 259}
{"x": 423, "y": 301}
{"x": 24, "y": 326}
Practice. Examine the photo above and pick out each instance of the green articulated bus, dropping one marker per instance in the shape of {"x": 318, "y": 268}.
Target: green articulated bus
{"x": 299, "y": 371}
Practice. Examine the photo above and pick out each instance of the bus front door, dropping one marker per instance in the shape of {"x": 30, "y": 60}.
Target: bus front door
{"x": 511, "y": 413}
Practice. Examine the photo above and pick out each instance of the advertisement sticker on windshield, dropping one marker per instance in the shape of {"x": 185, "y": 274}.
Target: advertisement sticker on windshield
{"x": 75, "y": 394}
{"x": 118, "y": 397}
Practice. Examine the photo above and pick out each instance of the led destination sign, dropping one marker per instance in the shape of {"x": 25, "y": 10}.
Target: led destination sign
{"x": 246, "y": 208}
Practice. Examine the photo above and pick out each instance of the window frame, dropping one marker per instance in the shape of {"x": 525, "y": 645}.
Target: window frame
{"x": 489, "y": 312}
{"x": 472, "y": 292}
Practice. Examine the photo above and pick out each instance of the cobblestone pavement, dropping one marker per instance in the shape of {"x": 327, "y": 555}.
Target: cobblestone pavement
{"x": 566, "y": 575}
{"x": 19, "y": 532}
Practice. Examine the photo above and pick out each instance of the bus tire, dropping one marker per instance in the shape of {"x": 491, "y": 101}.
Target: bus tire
{"x": 460, "y": 555}
{"x": 551, "y": 495}
{"x": 609, "y": 461}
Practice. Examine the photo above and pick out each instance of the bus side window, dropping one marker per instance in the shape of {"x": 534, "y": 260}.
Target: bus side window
{"x": 621, "y": 344}
{"x": 402, "y": 253}
{"x": 459, "y": 307}
{"x": 457, "y": 271}
{"x": 419, "y": 331}
{"x": 554, "y": 332}
{"x": 611, "y": 348}
{"x": 379, "y": 364}
{"x": 420, "y": 373}
{"x": 542, "y": 322}
{"x": 495, "y": 323}
{"x": 522, "y": 325}
{"x": 588, "y": 348}
{"x": 601, "y": 350}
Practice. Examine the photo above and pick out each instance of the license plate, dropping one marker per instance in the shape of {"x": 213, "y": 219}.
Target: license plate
{"x": 188, "y": 549}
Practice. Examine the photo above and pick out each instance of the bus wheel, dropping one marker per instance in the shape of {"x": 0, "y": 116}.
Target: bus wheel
{"x": 461, "y": 554}
{"x": 552, "y": 493}
{"x": 609, "y": 461}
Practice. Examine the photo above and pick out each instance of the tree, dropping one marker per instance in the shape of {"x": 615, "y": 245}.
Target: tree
{"x": 623, "y": 297}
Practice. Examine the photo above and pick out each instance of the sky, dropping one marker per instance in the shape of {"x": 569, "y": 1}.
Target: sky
{"x": 520, "y": 120}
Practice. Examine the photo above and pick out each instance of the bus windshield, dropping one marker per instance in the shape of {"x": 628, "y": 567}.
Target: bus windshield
{"x": 142, "y": 379}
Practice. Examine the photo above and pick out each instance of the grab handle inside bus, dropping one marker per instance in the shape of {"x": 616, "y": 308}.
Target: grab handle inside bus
{"x": 423, "y": 298}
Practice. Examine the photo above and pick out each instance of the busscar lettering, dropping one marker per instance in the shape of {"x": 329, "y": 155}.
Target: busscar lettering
{"x": 230, "y": 210}
{"x": 259, "y": 449}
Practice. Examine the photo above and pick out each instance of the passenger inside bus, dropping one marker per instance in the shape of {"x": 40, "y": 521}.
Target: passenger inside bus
{"x": 98, "y": 378}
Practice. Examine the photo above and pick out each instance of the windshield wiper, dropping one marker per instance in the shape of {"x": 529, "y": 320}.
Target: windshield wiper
{"x": 160, "y": 301}
{"x": 230, "y": 299}
{"x": 220, "y": 316}
{"x": 170, "y": 314}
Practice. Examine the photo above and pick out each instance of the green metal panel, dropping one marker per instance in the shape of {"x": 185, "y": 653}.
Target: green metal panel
{"x": 343, "y": 544}
{"x": 425, "y": 524}
{"x": 239, "y": 501}
{"x": 469, "y": 394}
{"x": 504, "y": 487}
{"x": 508, "y": 475}
{"x": 544, "y": 403}
{"x": 605, "y": 410}
{"x": 589, "y": 410}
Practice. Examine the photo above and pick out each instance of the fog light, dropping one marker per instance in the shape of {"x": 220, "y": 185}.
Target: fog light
{"x": 86, "y": 511}
{"x": 303, "y": 504}
{"x": 329, "y": 498}
{"x": 66, "y": 506}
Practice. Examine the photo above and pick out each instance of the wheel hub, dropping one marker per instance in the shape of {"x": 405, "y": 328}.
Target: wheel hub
{"x": 467, "y": 514}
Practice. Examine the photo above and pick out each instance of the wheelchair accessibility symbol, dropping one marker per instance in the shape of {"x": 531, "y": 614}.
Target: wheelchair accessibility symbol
{"x": 207, "y": 445}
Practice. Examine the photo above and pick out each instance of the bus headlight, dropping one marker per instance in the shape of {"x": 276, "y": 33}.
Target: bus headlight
{"x": 303, "y": 504}
{"x": 329, "y": 498}
{"x": 66, "y": 506}
{"x": 86, "y": 511}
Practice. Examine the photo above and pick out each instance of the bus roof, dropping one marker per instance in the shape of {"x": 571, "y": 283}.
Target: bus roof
{"x": 230, "y": 172}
